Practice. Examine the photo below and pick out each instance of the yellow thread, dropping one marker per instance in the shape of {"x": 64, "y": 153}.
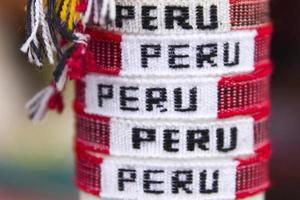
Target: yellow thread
{"x": 64, "y": 11}
{"x": 58, "y": 5}
{"x": 72, "y": 14}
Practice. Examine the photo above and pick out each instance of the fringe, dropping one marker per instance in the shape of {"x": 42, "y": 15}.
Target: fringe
{"x": 48, "y": 98}
{"x": 53, "y": 19}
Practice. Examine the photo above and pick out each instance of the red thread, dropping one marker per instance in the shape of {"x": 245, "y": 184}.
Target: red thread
{"x": 252, "y": 174}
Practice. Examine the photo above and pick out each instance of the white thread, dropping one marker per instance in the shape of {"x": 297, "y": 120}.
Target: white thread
{"x": 39, "y": 20}
{"x": 123, "y": 135}
{"x": 86, "y": 196}
{"x": 240, "y": 42}
{"x": 37, "y": 106}
{"x": 111, "y": 168}
{"x": 204, "y": 103}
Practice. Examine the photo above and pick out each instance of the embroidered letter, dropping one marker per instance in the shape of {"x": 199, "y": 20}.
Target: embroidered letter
{"x": 236, "y": 55}
{"x": 124, "y": 13}
{"x": 170, "y": 141}
{"x": 140, "y": 135}
{"x": 156, "y": 96}
{"x": 207, "y": 53}
{"x": 147, "y": 18}
{"x": 197, "y": 137}
{"x": 148, "y": 181}
{"x": 183, "y": 180}
{"x": 125, "y": 99}
{"x": 221, "y": 140}
{"x": 173, "y": 57}
{"x": 182, "y": 18}
{"x": 149, "y": 51}
{"x": 125, "y": 176}
{"x": 203, "y": 182}
{"x": 178, "y": 98}
{"x": 104, "y": 92}
{"x": 213, "y": 18}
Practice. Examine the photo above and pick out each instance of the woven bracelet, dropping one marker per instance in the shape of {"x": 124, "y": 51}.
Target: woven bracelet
{"x": 174, "y": 98}
{"x": 181, "y": 16}
{"x": 202, "y": 54}
{"x": 128, "y": 178}
{"x": 87, "y": 196}
{"x": 233, "y": 137}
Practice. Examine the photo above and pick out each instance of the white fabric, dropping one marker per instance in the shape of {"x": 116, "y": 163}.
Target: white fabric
{"x": 110, "y": 181}
{"x": 86, "y": 196}
{"x": 132, "y": 56}
{"x": 206, "y": 97}
{"x": 135, "y": 25}
{"x": 122, "y": 138}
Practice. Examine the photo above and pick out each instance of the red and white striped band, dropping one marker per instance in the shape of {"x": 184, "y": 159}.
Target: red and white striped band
{"x": 233, "y": 137}
{"x": 87, "y": 196}
{"x": 202, "y": 54}
{"x": 129, "y": 178}
{"x": 174, "y": 98}
{"x": 182, "y": 17}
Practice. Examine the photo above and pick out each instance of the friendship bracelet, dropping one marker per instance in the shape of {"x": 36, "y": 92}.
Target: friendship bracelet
{"x": 174, "y": 98}
{"x": 234, "y": 137}
{"x": 202, "y": 54}
{"x": 87, "y": 196}
{"x": 127, "y": 178}
{"x": 182, "y": 17}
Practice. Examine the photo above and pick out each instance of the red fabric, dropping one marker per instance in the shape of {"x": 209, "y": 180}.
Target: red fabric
{"x": 252, "y": 174}
{"x": 107, "y": 52}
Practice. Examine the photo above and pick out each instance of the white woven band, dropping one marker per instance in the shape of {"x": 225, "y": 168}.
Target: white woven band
{"x": 191, "y": 98}
{"x": 155, "y": 180}
{"x": 232, "y": 137}
{"x": 181, "y": 16}
{"x": 205, "y": 54}
{"x": 86, "y": 196}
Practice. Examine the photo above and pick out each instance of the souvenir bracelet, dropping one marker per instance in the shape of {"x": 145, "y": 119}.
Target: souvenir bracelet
{"x": 87, "y": 196}
{"x": 233, "y": 137}
{"x": 192, "y": 16}
{"x": 172, "y": 55}
{"x": 155, "y": 179}
{"x": 174, "y": 98}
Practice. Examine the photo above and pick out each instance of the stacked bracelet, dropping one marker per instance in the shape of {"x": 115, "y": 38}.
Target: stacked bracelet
{"x": 174, "y": 98}
{"x": 199, "y": 54}
{"x": 234, "y": 137}
{"x": 182, "y": 17}
{"x": 126, "y": 178}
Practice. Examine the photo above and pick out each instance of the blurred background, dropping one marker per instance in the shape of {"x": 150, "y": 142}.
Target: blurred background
{"x": 36, "y": 160}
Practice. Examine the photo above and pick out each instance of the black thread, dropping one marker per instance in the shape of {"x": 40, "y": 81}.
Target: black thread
{"x": 137, "y": 138}
{"x": 182, "y": 20}
{"x": 125, "y": 99}
{"x": 198, "y": 138}
{"x": 221, "y": 137}
{"x": 203, "y": 57}
{"x": 157, "y": 101}
{"x": 178, "y": 96}
{"x": 236, "y": 59}
{"x": 173, "y": 56}
{"x": 178, "y": 183}
{"x": 145, "y": 55}
{"x": 147, "y": 18}
{"x": 148, "y": 181}
{"x": 122, "y": 179}
{"x": 213, "y": 18}
{"x": 203, "y": 183}
{"x": 169, "y": 141}
{"x": 121, "y": 16}
{"x": 104, "y": 95}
